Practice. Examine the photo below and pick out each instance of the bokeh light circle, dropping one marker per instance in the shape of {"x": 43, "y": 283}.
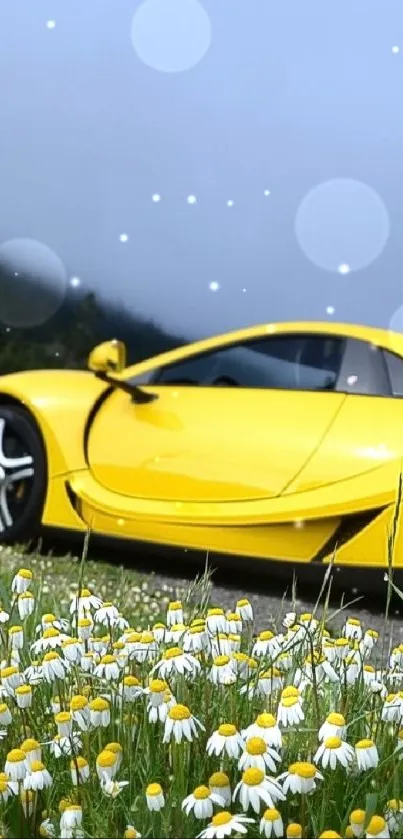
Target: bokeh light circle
{"x": 342, "y": 222}
{"x": 33, "y": 283}
{"x": 171, "y": 36}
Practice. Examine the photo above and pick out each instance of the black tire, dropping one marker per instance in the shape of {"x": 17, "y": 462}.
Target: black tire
{"x": 22, "y": 499}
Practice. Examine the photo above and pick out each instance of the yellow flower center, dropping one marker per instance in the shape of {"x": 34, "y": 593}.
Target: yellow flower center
{"x": 256, "y": 746}
{"x": 133, "y": 637}
{"x": 99, "y": 704}
{"x": 394, "y": 804}
{"x": 52, "y": 632}
{"x": 3, "y": 786}
{"x": 23, "y": 690}
{"x": 154, "y": 789}
{"x": 3, "y": 708}
{"x": 243, "y": 602}
{"x": 29, "y": 745}
{"x": 201, "y": 793}
{"x": 79, "y": 761}
{"x": 266, "y": 635}
{"x": 37, "y": 766}
{"x": 108, "y": 659}
{"x": 369, "y": 668}
{"x": 221, "y": 660}
{"x": 219, "y": 779}
{"x": 25, "y": 573}
{"x": 289, "y": 701}
{"x": 158, "y": 686}
{"x": 364, "y": 744}
{"x": 148, "y": 637}
{"x": 376, "y": 825}
{"x": 15, "y": 629}
{"x": 265, "y": 721}
{"x": 212, "y": 612}
{"x": 48, "y": 618}
{"x": 84, "y": 622}
{"x": 221, "y": 818}
{"x": 289, "y": 691}
{"x": 227, "y": 730}
{"x": 353, "y": 622}
{"x": 336, "y": 719}
{"x": 175, "y": 605}
{"x": 7, "y": 672}
{"x": 52, "y": 656}
{"x": 173, "y": 652}
{"x": 271, "y": 815}
{"x": 78, "y": 702}
{"x": 294, "y": 831}
{"x": 333, "y": 743}
{"x": 329, "y": 834}
{"x": 179, "y": 712}
{"x": 85, "y": 592}
{"x": 341, "y": 642}
{"x": 232, "y": 616}
{"x": 306, "y": 616}
{"x": 106, "y": 758}
{"x": 15, "y": 756}
{"x": 252, "y": 777}
{"x": 357, "y": 817}
{"x": 130, "y": 681}
{"x": 63, "y": 717}
{"x": 303, "y": 769}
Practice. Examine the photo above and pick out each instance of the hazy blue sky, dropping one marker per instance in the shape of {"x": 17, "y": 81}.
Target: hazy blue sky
{"x": 290, "y": 111}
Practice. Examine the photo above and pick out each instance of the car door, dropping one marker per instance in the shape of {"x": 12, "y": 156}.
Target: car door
{"x": 234, "y": 424}
{"x": 368, "y": 430}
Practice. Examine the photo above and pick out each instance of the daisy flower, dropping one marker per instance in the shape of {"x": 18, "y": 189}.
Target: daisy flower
{"x": 174, "y": 613}
{"x": 71, "y": 822}
{"x": 176, "y": 633}
{"x": 195, "y": 640}
{"x": 23, "y": 696}
{"x": 131, "y": 833}
{"x": 106, "y": 614}
{"x": 258, "y": 755}
{"x": 112, "y": 788}
{"x": 84, "y": 601}
{"x": 226, "y": 739}
{"x": 54, "y": 667}
{"x": 32, "y": 750}
{"x": 394, "y": 815}
{"x": 79, "y": 770}
{"x": 216, "y": 621}
{"x": 156, "y": 692}
{"x": 38, "y": 777}
{"x": 4, "y": 616}
{"x": 289, "y": 712}
{"x": 294, "y": 831}
{"x": 366, "y": 754}
{"x": 65, "y": 746}
{"x": 106, "y": 764}
{"x": 107, "y": 668}
{"x": 334, "y": 751}
{"x": 234, "y": 623}
{"x": 357, "y": 821}
{"x": 266, "y": 727}
{"x": 80, "y": 711}
{"x": 255, "y": 787}
{"x": 64, "y": 722}
{"x": 377, "y": 828}
{"x": 179, "y": 724}
{"x": 271, "y": 824}
{"x": 176, "y": 661}
{"x": 334, "y": 726}
{"x": 220, "y": 785}
{"x": 5, "y": 714}
{"x": 352, "y": 629}
{"x": 100, "y": 714}
{"x": 25, "y": 604}
{"x": 155, "y": 797}
{"x": 224, "y": 824}
{"x": 201, "y": 802}
{"x": 266, "y": 645}
{"x": 222, "y": 672}
{"x": 300, "y": 778}
{"x": 16, "y": 766}
{"x": 131, "y": 688}
{"x": 244, "y": 609}
{"x": 21, "y": 581}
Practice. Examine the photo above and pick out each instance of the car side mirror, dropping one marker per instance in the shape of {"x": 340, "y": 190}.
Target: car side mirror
{"x": 108, "y": 357}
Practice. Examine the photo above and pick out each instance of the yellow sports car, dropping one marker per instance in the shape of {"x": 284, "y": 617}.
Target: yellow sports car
{"x": 281, "y": 441}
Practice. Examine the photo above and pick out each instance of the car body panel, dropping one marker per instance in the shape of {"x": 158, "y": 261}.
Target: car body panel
{"x": 196, "y": 444}
{"x": 330, "y": 479}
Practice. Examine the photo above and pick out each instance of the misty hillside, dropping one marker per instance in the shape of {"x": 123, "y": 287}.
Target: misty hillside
{"x": 66, "y": 339}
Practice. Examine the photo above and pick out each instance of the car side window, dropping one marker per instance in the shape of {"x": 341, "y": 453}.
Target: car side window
{"x": 394, "y": 366}
{"x": 290, "y": 362}
{"x": 363, "y": 371}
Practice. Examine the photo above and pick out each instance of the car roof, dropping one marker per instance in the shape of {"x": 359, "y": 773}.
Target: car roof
{"x": 385, "y": 338}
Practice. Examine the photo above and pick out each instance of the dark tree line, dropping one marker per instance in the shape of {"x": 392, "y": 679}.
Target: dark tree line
{"x": 66, "y": 339}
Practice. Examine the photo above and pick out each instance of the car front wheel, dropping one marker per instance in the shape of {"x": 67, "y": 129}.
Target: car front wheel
{"x": 22, "y": 475}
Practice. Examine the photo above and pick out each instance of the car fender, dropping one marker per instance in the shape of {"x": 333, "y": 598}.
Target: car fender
{"x": 61, "y": 403}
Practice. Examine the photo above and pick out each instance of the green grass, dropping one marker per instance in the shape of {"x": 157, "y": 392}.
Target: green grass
{"x": 181, "y": 768}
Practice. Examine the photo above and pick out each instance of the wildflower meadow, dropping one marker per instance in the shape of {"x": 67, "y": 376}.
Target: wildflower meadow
{"x": 194, "y": 725}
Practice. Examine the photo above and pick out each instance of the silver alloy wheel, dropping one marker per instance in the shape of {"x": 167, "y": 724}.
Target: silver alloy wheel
{"x": 12, "y": 470}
